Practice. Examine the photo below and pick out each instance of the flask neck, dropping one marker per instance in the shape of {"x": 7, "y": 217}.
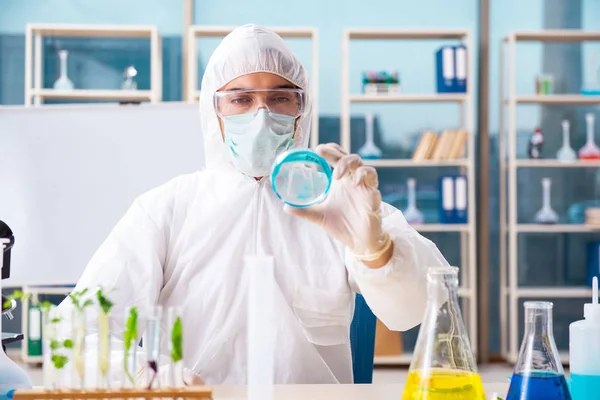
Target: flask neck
{"x": 412, "y": 200}
{"x": 63, "y": 63}
{"x": 590, "y": 130}
{"x": 546, "y": 193}
{"x": 538, "y": 321}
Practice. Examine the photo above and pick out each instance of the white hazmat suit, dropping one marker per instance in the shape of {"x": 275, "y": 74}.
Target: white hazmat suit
{"x": 184, "y": 244}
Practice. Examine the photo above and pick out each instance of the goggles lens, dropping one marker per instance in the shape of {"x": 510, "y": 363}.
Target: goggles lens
{"x": 276, "y": 101}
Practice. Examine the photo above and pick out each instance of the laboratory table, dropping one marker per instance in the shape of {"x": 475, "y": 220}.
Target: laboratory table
{"x": 328, "y": 392}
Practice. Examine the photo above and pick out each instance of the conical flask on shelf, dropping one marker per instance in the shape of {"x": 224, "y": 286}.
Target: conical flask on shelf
{"x": 443, "y": 365}
{"x": 63, "y": 82}
{"x": 589, "y": 151}
{"x": 546, "y": 215}
{"x": 412, "y": 213}
{"x": 538, "y": 373}
{"x": 369, "y": 150}
{"x": 566, "y": 152}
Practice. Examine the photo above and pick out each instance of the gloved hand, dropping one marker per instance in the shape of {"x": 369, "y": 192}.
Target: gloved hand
{"x": 351, "y": 211}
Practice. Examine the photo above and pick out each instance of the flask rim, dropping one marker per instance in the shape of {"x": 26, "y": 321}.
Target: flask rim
{"x": 540, "y": 305}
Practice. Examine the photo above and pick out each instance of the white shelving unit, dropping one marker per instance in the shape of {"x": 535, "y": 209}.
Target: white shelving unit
{"x": 198, "y": 31}
{"x": 34, "y": 33}
{"x": 468, "y": 274}
{"x": 510, "y": 291}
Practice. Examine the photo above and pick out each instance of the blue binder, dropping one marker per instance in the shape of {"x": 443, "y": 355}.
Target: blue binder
{"x": 451, "y": 69}
{"x": 453, "y": 205}
{"x": 445, "y": 69}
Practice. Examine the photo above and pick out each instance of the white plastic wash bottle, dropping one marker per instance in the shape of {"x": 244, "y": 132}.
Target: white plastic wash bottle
{"x": 584, "y": 351}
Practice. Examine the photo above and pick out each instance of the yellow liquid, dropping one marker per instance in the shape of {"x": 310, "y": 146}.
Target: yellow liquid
{"x": 440, "y": 384}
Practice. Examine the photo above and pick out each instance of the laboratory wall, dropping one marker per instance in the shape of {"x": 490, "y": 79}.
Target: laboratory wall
{"x": 99, "y": 63}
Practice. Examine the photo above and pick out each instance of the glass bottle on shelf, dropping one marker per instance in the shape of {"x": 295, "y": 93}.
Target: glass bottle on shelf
{"x": 129, "y": 75}
{"x": 63, "y": 82}
{"x": 566, "y": 152}
{"x": 443, "y": 365}
{"x": 412, "y": 213}
{"x": 538, "y": 373}
{"x": 589, "y": 151}
{"x": 546, "y": 215}
{"x": 369, "y": 150}
{"x": 535, "y": 143}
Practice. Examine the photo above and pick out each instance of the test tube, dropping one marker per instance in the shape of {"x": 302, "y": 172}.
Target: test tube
{"x": 50, "y": 327}
{"x": 78, "y": 328}
{"x": 103, "y": 349}
{"x": 130, "y": 347}
{"x": 152, "y": 346}
{"x": 175, "y": 329}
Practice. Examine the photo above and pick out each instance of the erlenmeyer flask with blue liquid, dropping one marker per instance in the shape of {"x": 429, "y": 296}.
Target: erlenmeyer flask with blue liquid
{"x": 538, "y": 373}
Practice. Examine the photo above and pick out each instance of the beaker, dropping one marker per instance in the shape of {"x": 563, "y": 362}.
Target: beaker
{"x": 301, "y": 178}
{"x": 152, "y": 345}
{"x": 443, "y": 365}
{"x": 538, "y": 373}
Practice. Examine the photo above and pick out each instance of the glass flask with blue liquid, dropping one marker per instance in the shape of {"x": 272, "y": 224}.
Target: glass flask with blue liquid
{"x": 301, "y": 178}
{"x": 538, "y": 373}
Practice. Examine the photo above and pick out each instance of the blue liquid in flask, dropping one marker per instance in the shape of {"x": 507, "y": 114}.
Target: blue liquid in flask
{"x": 538, "y": 386}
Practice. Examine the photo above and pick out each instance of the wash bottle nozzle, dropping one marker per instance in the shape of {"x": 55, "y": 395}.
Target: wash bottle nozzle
{"x": 592, "y": 310}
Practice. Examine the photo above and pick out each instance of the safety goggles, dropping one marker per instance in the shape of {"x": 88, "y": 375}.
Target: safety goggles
{"x": 290, "y": 102}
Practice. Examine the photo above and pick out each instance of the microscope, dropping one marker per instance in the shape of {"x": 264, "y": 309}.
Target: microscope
{"x": 7, "y": 240}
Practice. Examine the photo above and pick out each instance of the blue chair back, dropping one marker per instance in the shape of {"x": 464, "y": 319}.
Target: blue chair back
{"x": 362, "y": 341}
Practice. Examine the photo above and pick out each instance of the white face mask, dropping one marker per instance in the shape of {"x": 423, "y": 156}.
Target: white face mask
{"x": 255, "y": 141}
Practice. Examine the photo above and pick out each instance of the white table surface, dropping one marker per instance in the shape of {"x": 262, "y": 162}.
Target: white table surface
{"x": 327, "y": 392}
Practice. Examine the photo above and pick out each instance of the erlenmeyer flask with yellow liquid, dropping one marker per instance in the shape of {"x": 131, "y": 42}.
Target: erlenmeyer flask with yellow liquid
{"x": 443, "y": 366}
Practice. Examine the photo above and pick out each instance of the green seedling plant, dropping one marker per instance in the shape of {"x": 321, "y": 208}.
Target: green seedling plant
{"x": 177, "y": 341}
{"x": 130, "y": 337}
{"x": 104, "y": 330}
{"x": 16, "y": 295}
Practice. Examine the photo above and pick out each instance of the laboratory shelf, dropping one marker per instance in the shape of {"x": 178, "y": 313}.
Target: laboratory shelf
{"x": 92, "y": 94}
{"x": 384, "y": 33}
{"x": 383, "y": 163}
{"x": 465, "y": 111}
{"x": 556, "y": 228}
{"x": 509, "y": 100}
{"x": 556, "y": 35}
{"x": 562, "y": 292}
{"x": 441, "y": 227}
{"x": 190, "y": 85}
{"x": 408, "y": 98}
{"x": 553, "y": 99}
{"x": 34, "y": 35}
{"x": 549, "y": 163}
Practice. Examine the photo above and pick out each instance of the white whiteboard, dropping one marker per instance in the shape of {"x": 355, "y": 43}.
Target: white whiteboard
{"x": 69, "y": 173}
